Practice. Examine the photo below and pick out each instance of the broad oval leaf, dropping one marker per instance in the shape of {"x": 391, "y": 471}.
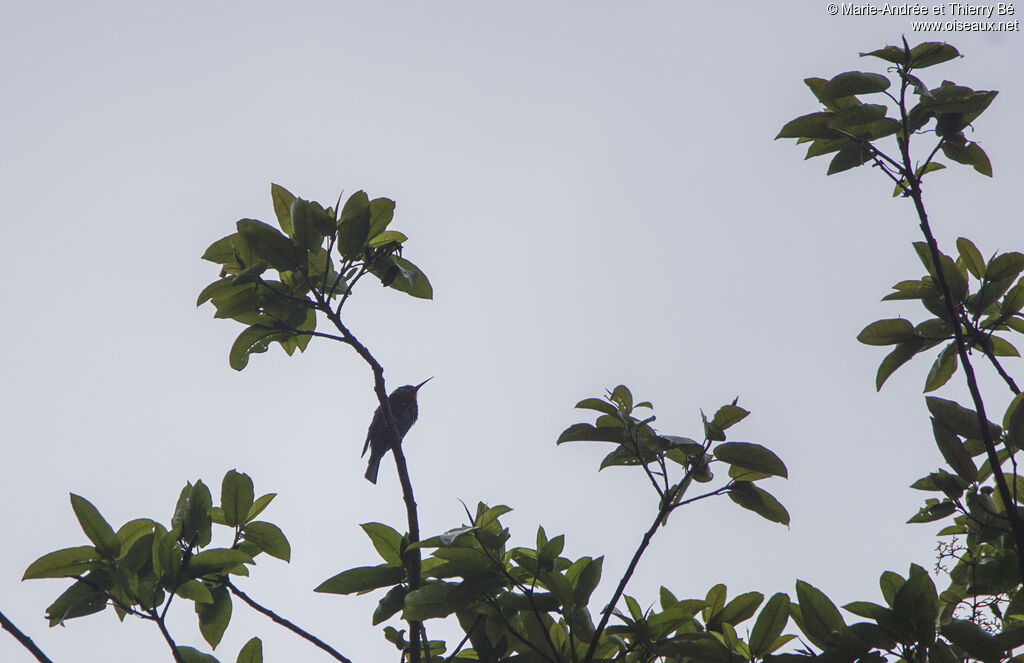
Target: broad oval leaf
{"x": 236, "y": 497}
{"x": 269, "y": 538}
{"x": 62, "y": 563}
{"x": 887, "y": 332}
{"x": 974, "y": 640}
{"x": 819, "y": 617}
{"x": 751, "y": 456}
{"x": 769, "y": 625}
{"x": 96, "y": 528}
{"x": 761, "y": 502}
{"x": 251, "y": 652}
{"x": 362, "y": 579}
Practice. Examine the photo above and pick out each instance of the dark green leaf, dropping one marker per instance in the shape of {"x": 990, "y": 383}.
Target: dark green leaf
{"x": 590, "y": 433}
{"x": 362, "y": 579}
{"x": 193, "y": 655}
{"x": 254, "y": 339}
{"x": 960, "y": 420}
{"x": 901, "y": 354}
{"x": 890, "y": 583}
{"x": 251, "y": 652}
{"x": 1013, "y": 422}
{"x": 736, "y": 611}
{"x": 942, "y": 369}
{"x": 386, "y": 237}
{"x": 599, "y": 405}
{"x": 430, "y": 601}
{"x": 953, "y": 451}
{"x": 236, "y": 497}
{"x": 752, "y": 457}
{"x": 749, "y": 496}
{"x": 851, "y": 83}
{"x": 216, "y": 560}
{"x": 193, "y": 590}
{"x": 974, "y": 640}
{"x": 971, "y": 256}
{"x": 935, "y": 511}
{"x": 847, "y": 158}
{"x": 893, "y": 54}
{"x": 269, "y": 538}
{"x": 78, "y": 600}
{"x": 61, "y": 563}
{"x": 259, "y": 505}
{"x": 386, "y": 540}
{"x": 917, "y": 603}
{"x": 819, "y": 617}
{"x": 728, "y": 415}
{"x": 622, "y": 397}
{"x": 192, "y": 514}
{"x": 887, "y": 332}
{"x": 382, "y": 211}
{"x": 283, "y": 200}
{"x": 96, "y": 528}
{"x": 267, "y": 242}
{"x": 931, "y": 53}
{"x": 813, "y": 125}
{"x": 970, "y": 154}
{"x": 390, "y": 604}
{"x": 769, "y": 625}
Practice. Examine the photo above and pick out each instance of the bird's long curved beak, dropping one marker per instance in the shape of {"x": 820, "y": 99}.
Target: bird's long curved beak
{"x": 417, "y": 387}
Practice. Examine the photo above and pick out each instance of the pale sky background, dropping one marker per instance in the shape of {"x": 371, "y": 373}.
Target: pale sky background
{"x": 594, "y": 192}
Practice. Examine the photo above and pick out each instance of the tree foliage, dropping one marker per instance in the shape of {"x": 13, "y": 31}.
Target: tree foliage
{"x": 526, "y": 601}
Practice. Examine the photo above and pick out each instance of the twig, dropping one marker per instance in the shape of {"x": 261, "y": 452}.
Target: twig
{"x": 26, "y": 641}
{"x": 277, "y": 619}
{"x": 167, "y": 636}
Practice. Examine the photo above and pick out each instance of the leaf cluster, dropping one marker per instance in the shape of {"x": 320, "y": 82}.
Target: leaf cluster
{"x": 318, "y": 255}
{"x": 139, "y": 568}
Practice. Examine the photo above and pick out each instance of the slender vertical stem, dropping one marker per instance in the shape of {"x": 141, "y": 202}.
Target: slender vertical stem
{"x": 914, "y": 185}
{"x": 167, "y": 636}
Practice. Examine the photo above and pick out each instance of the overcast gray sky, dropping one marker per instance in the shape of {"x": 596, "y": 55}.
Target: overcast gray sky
{"x": 594, "y": 192}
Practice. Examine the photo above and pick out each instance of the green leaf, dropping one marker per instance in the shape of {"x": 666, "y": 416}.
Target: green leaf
{"x": 78, "y": 600}
{"x": 386, "y": 237}
{"x": 1013, "y": 422}
{"x": 812, "y": 125}
{"x": 386, "y": 540}
{"x": 132, "y": 531}
{"x": 267, "y": 242}
{"x": 193, "y": 655}
{"x": 309, "y": 220}
{"x": 848, "y": 157}
{"x": 960, "y": 420}
{"x": 890, "y": 583}
{"x": 936, "y": 510}
{"x": 954, "y": 451}
{"x": 728, "y": 415}
{"x": 362, "y": 579}
{"x": 851, "y": 83}
{"x": 354, "y": 225}
{"x": 382, "y": 211}
{"x": 194, "y": 590}
{"x": 259, "y": 505}
{"x": 917, "y": 603}
{"x": 400, "y": 274}
{"x": 736, "y": 611}
{"x": 931, "y": 53}
{"x": 769, "y": 625}
{"x": 430, "y": 601}
{"x": 390, "y": 604}
{"x": 221, "y": 252}
{"x": 586, "y": 581}
{"x": 819, "y": 616}
{"x": 254, "y": 339}
{"x": 622, "y": 397}
{"x": 893, "y": 54}
{"x": 216, "y": 560}
{"x": 974, "y": 640}
{"x": 942, "y": 369}
{"x": 269, "y": 538}
{"x": 62, "y": 563}
{"x": 192, "y": 514}
{"x": 214, "y": 616}
{"x": 751, "y": 457}
{"x": 96, "y": 528}
{"x": 887, "y": 332}
{"x": 971, "y": 256}
{"x": 1005, "y": 266}
{"x": 901, "y": 354}
{"x": 590, "y": 433}
{"x": 236, "y": 497}
{"x": 969, "y": 154}
{"x": 599, "y": 405}
{"x": 251, "y": 652}
{"x": 749, "y": 496}
{"x": 283, "y": 200}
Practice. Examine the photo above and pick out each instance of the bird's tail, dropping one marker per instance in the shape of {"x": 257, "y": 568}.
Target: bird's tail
{"x": 372, "y": 467}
